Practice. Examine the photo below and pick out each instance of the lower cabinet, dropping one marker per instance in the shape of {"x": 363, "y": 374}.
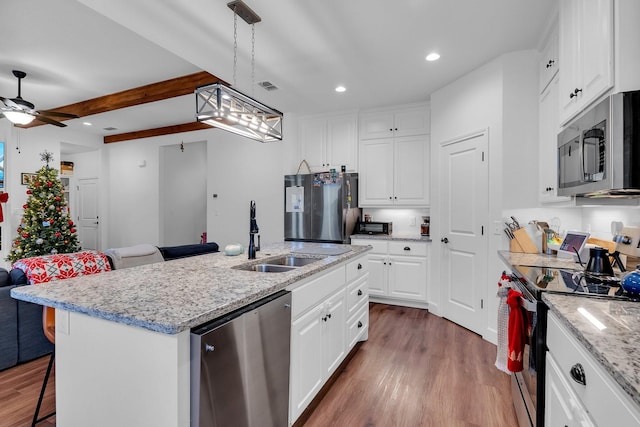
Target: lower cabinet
{"x": 398, "y": 270}
{"x": 578, "y": 389}
{"x": 330, "y": 315}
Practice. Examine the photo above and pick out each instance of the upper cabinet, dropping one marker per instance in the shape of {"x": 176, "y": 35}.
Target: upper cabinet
{"x": 586, "y": 51}
{"x": 329, "y": 141}
{"x": 394, "y": 157}
{"x": 549, "y": 61}
{"x": 406, "y": 121}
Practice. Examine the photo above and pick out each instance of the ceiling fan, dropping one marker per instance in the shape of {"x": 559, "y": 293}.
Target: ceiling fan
{"x": 22, "y": 112}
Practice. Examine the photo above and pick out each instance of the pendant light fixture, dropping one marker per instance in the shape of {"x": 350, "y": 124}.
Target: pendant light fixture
{"x": 224, "y": 107}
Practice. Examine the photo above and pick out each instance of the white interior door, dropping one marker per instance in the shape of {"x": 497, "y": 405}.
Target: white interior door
{"x": 464, "y": 195}
{"x": 88, "y": 220}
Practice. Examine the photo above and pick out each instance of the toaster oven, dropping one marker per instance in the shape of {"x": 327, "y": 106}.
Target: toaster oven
{"x": 374, "y": 227}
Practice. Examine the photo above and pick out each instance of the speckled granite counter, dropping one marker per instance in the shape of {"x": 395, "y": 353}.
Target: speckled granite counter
{"x": 412, "y": 237}
{"x": 616, "y": 347}
{"x": 173, "y": 296}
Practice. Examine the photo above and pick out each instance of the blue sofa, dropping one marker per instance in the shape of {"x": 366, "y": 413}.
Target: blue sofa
{"x": 21, "y": 335}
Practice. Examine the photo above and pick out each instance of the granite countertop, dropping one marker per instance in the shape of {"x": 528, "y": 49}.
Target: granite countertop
{"x": 616, "y": 347}
{"x": 394, "y": 236}
{"x": 538, "y": 260}
{"x": 174, "y": 296}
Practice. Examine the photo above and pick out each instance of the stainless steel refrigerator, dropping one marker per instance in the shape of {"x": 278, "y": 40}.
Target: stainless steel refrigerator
{"x": 320, "y": 207}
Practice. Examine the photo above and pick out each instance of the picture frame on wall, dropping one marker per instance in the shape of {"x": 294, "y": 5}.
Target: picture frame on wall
{"x": 25, "y": 178}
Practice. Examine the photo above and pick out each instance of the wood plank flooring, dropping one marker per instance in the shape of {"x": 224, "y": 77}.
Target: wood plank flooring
{"x": 19, "y": 390}
{"x": 416, "y": 369}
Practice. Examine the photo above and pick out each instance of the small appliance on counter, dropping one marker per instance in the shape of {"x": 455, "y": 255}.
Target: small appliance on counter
{"x": 373, "y": 227}
{"x": 425, "y": 226}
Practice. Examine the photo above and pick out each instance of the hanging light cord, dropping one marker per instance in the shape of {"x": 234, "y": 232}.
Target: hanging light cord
{"x": 235, "y": 45}
{"x": 253, "y": 56}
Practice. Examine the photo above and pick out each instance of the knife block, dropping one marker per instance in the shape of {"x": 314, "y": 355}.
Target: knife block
{"x": 522, "y": 242}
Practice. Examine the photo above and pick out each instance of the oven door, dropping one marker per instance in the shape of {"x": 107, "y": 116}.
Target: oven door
{"x": 524, "y": 391}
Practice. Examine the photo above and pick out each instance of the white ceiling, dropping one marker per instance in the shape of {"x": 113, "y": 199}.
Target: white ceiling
{"x": 77, "y": 50}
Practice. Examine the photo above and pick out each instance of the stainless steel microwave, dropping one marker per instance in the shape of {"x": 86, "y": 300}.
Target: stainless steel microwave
{"x": 599, "y": 152}
{"x": 374, "y": 227}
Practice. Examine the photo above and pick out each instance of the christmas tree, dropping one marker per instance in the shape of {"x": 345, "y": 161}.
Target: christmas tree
{"x": 46, "y": 227}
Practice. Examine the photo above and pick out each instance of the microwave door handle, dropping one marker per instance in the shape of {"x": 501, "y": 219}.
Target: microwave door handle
{"x": 581, "y": 156}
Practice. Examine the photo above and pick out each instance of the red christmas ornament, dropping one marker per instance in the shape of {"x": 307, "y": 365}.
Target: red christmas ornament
{"x": 37, "y": 184}
{"x": 28, "y": 191}
{"x": 58, "y": 234}
{"x": 25, "y": 206}
{"x": 17, "y": 242}
{"x": 70, "y": 222}
{"x": 57, "y": 198}
{"x": 49, "y": 184}
{"x": 66, "y": 242}
{"x": 25, "y": 235}
{"x": 73, "y": 230}
{"x": 58, "y": 209}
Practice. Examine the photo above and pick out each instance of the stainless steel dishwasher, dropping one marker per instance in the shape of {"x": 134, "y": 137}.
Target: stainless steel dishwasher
{"x": 240, "y": 366}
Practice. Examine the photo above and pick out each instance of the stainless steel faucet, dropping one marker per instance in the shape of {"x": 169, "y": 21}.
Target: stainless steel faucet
{"x": 253, "y": 230}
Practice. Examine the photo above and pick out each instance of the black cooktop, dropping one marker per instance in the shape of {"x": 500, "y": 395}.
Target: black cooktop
{"x": 558, "y": 280}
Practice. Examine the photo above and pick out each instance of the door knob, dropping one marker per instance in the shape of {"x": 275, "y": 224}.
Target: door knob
{"x": 444, "y": 240}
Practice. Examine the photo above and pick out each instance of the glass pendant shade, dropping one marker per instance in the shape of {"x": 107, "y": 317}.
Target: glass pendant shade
{"x": 18, "y": 117}
{"x": 223, "y": 107}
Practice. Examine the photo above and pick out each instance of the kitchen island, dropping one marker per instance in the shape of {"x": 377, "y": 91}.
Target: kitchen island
{"x": 123, "y": 337}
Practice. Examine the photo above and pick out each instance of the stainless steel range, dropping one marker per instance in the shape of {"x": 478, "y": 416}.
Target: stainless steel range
{"x": 528, "y": 386}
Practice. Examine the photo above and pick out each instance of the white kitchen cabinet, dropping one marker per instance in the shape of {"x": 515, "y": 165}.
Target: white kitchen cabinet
{"x": 586, "y": 52}
{"x": 325, "y": 314}
{"x": 397, "y": 271}
{"x": 329, "y": 141}
{"x": 548, "y": 145}
{"x": 394, "y": 172}
{"x": 394, "y": 157}
{"x": 597, "y": 399}
{"x": 562, "y": 407}
{"x": 401, "y": 121}
{"x": 549, "y": 61}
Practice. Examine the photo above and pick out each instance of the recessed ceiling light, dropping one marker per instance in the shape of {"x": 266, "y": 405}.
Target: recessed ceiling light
{"x": 86, "y": 123}
{"x": 341, "y": 89}
{"x": 433, "y": 57}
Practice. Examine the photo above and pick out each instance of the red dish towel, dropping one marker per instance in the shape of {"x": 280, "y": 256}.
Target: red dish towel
{"x": 517, "y": 331}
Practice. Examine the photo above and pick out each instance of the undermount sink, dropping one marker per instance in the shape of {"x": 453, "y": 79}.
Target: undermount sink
{"x": 279, "y": 265}
{"x": 270, "y": 268}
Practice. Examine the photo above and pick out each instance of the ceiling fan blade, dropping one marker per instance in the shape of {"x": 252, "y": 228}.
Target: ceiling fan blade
{"x": 50, "y": 121}
{"x": 58, "y": 114}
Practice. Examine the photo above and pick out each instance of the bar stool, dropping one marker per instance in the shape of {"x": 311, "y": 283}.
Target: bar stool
{"x": 49, "y": 328}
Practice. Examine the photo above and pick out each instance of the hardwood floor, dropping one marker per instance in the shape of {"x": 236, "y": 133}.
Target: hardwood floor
{"x": 19, "y": 390}
{"x": 416, "y": 369}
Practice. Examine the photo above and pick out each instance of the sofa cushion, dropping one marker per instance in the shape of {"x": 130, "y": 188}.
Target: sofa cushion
{"x": 5, "y": 278}
{"x": 18, "y": 277}
{"x": 8, "y": 329}
{"x": 182, "y": 251}
{"x": 133, "y": 256}
{"x": 42, "y": 269}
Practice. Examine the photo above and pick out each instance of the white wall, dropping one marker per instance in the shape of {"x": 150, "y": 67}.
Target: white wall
{"x": 479, "y": 100}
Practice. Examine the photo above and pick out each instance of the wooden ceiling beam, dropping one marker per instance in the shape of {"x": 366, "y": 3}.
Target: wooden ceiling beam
{"x": 167, "y": 130}
{"x": 171, "y": 88}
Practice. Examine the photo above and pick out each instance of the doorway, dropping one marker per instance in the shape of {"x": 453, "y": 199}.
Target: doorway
{"x": 183, "y": 193}
{"x": 88, "y": 219}
{"x": 464, "y": 191}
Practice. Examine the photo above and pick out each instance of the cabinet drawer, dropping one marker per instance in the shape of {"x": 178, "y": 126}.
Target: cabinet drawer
{"x": 311, "y": 293}
{"x": 357, "y": 292}
{"x": 601, "y": 396}
{"x": 408, "y": 248}
{"x": 358, "y": 325}
{"x": 379, "y": 246}
{"x": 357, "y": 268}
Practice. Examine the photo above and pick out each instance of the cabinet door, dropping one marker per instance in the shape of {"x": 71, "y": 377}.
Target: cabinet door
{"x": 411, "y": 171}
{"x": 408, "y": 278}
{"x": 569, "y": 47}
{"x": 411, "y": 121}
{"x": 562, "y": 407}
{"x": 549, "y": 64}
{"x": 378, "y": 273}
{"x": 376, "y": 172}
{"x": 596, "y": 38}
{"x": 376, "y": 125}
{"x": 335, "y": 331}
{"x": 306, "y": 359}
{"x": 548, "y": 145}
{"x": 342, "y": 142}
{"x": 313, "y": 142}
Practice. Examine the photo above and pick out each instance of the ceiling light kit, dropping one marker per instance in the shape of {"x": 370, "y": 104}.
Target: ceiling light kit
{"x": 222, "y": 106}
{"x": 22, "y": 112}
{"x": 432, "y": 57}
{"x": 341, "y": 89}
